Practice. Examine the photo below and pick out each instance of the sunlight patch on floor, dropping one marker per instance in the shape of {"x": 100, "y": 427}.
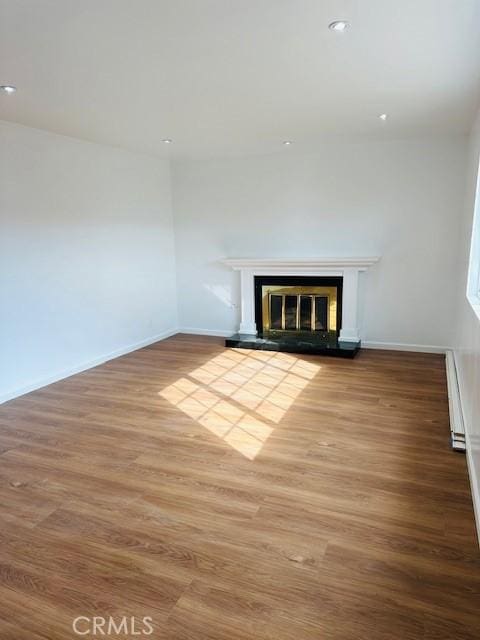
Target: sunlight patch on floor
{"x": 223, "y": 393}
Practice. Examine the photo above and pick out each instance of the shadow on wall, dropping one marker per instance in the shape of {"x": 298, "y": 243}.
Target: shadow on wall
{"x": 260, "y": 386}
{"x": 223, "y": 293}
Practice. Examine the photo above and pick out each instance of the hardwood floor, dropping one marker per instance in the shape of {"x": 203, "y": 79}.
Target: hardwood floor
{"x": 232, "y": 495}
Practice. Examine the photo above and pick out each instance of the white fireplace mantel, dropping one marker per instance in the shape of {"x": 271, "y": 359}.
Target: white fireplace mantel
{"x": 347, "y": 268}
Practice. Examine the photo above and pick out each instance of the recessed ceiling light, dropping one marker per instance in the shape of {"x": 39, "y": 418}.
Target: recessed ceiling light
{"x": 8, "y": 88}
{"x": 287, "y": 142}
{"x": 167, "y": 141}
{"x": 339, "y": 25}
{"x": 383, "y": 116}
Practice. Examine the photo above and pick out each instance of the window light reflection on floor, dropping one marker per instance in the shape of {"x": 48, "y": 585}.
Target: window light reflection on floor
{"x": 234, "y": 393}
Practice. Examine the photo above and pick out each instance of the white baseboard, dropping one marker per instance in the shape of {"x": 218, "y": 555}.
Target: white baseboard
{"x": 221, "y": 333}
{"x": 474, "y": 486}
{"x": 66, "y": 373}
{"x": 400, "y": 346}
{"x": 394, "y": 346}
{"x": 457, "y": 423}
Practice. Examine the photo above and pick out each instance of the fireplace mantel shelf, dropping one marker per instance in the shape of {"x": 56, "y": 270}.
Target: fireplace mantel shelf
{"x": 301, "y": 263}
{"x": 346, "y": 267}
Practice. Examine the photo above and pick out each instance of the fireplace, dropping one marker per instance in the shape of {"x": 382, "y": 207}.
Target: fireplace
{"x": 298, "y": 305}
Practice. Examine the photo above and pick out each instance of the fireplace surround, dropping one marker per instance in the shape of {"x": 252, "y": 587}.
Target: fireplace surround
{"x": 299, "y": 305}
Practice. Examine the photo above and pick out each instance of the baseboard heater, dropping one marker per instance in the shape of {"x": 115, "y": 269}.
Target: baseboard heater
{"x": 457, "y": 424}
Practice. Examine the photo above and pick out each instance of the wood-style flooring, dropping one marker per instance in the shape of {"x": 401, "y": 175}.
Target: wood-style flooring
{"x": 236, "y": 495}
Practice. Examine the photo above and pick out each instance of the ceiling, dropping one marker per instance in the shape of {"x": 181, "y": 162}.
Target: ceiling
{"x": 239, "y": 76}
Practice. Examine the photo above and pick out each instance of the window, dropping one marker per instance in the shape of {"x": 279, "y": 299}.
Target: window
{"x": 473, "y": 283}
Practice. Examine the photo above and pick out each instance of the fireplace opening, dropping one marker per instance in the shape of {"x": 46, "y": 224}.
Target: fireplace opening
{"x": 298, "y": 306}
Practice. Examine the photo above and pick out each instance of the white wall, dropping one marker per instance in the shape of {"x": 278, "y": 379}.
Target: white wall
{"x": 397, "y": 199}
{"x": 467, "y": 340}
{"x": 87, "y": 266}
{"x": 87, "y": 263}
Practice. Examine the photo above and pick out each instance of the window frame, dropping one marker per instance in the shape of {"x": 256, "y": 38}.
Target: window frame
{"x": 473, "y": 280}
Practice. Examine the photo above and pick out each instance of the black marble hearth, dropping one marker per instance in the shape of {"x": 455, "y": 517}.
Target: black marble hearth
{"x": 306, "y": 343}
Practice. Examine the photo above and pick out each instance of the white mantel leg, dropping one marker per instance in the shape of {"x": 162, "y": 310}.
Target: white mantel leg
{"x": 349, "y": 331}
{"x": 247, "y": 294}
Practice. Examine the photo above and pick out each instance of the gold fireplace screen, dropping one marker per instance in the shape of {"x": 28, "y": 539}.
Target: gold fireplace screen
{"x": 291, "y": 308}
